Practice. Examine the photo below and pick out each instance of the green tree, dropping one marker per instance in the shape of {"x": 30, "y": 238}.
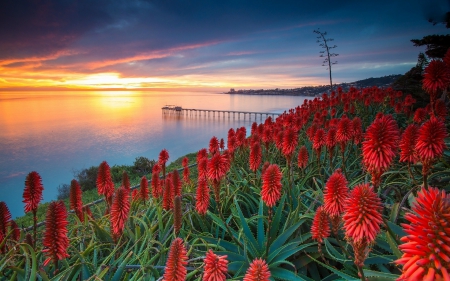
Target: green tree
{"x": 411, "y": 81}
{"x": 63, "y": 191}
{"x": 87, "y": 177}
{"x": 437, "y": 45}
{"x": 143, "y": 165}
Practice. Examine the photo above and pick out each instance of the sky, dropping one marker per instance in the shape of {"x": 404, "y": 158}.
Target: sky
{"x": 206, "y": 44}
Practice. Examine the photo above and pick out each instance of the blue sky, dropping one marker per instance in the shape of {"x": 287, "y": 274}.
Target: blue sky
{"x": 139, "y": 44}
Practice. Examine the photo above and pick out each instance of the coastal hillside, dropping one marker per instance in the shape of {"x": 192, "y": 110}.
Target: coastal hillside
{"x": 311, "y": 91}
{"x": 350, "y": 186}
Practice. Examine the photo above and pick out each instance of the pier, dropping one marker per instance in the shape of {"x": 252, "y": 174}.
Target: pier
{"x": 192, "y": 112}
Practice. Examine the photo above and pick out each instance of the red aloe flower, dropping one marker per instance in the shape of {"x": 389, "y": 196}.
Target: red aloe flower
{"x": 5, "y": 220}
{"x": 177, "y": 214}
{"x": 288, "y": 120}
{"x": 213, "y": 146}
{"x": 176, "y": 262}
{"x": 15, "y": 231}
{"x": 105, "y": 185}
{"x": 430, "y": 143}
{"x": 436, "y": 77}
{"x": 163, "y": 158}
{"x": 32, "y": 193}
{"x": 344, "y": 130}
{"x": 55, "y": 236}
{"x": 156, "y": 186}
{"x": 320, "y": 228}
{"x": 231, "y": 140}
{"x": 357, "y": 130}
{"x": 303, "y": 157}
{"x": 333, "y": 112}
{"x": 330, "y": 140}
{"x": 185, "y": 162}
{"x": 168, "y": 194}
{"x": 135, "y": 196}
{"x": 362, "y": 219}
{"x": 409, "y": 100}
{"x": 380, "y": 146}
{"x": 258, "y": 271}
{"x": 176, "y": 182}
{"x": 362, "y": 215}
{"x": 254, "y": 129}
{"x": 271, "y": 188}
{"x": 144, "y": 192}
{"x": 398, "y": 108}
{"x": 202, "y": 153}
{"x": 426, "y": 254}
{"x": 408, "y": 143}
{"x": 440, "y": 109}
{"x": 186, "y": 175}
{"x": 202, "y": 167}
{"x": 420, "y": 115}
{"x": 319, "y": 140}
{"x": 216, "y": 267}
{"x": 218, "y": 166}
{"x": 267, "y": 136}
{"x": 241, "y": 135}
{"x": 202, "y": 197}
{"x": 156, "y": 169}
{"x": 290, "y": 140}
{"x": 278, "y": 137}
{"x": 119, "y": 211}
{"x": 76, "y": 202}
{"x": 126, "y": 181}
{"x": 255, "y": 156}
{"x": 260, "y": 129}
{"x": 335, "y": 194}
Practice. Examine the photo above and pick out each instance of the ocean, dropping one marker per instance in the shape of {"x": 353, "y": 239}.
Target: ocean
{"x": 57, "y": 133}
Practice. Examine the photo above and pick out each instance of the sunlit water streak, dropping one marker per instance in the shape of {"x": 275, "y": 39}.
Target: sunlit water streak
{"x": 55, "y": 134}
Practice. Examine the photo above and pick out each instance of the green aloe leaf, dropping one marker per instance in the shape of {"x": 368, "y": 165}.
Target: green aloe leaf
{"x": 247, "y": 232}
{"x": 285, "y": 236}
{"x": 379, "y": 276}
{"x": 118, "y": 275}
{"x": 284, "y": 274}
{"x": 261, "y": 236}
{"x": 277, "y": 219}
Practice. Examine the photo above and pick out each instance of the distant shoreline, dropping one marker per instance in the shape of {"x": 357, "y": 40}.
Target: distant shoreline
{"x": 313, "y": 91}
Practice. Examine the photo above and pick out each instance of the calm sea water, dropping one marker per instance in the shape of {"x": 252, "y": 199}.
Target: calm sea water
{"x": 55, "y": 134}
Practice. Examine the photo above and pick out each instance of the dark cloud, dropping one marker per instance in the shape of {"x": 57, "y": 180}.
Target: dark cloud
{"x": 43, "y": 27}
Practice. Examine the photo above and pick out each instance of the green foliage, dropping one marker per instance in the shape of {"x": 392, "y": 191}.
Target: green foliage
{"x": 63, "y": 191}
{"x": 411, "y": 82}
{"x": 87, "y": 178}
{"x": 143, "y": 166}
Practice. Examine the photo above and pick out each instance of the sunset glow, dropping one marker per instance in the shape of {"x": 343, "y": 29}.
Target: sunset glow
{"x": 140, "y": 45}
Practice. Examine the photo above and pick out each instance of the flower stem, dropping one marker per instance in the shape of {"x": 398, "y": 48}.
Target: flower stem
{"x": 269, "y": 220}
{"x": 35, "y": 228}
{"x": 361, "y": 273}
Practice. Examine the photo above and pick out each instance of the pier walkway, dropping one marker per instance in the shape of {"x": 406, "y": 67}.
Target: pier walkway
{"x": 179, "y": 111}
